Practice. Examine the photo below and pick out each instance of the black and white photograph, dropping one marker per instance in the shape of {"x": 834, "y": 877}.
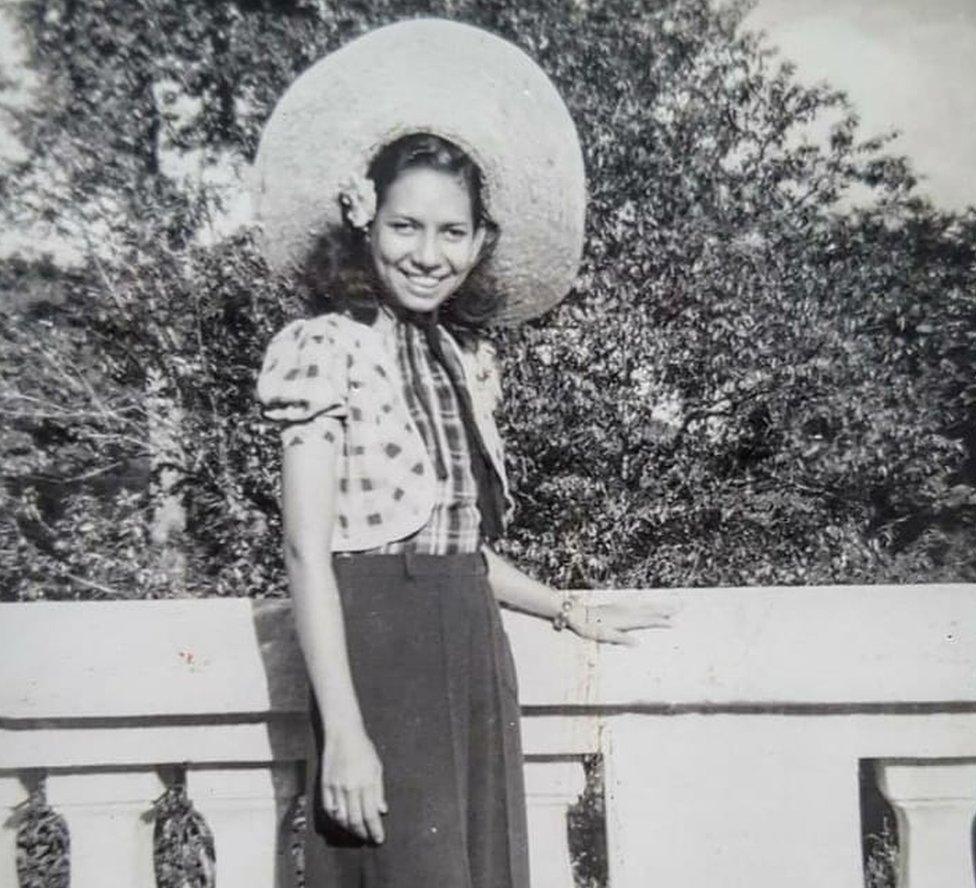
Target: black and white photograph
{"x": 501, "y": 444}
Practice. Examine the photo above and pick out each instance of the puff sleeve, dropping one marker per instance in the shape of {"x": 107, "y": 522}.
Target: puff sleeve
{"x": 303, "y": 377}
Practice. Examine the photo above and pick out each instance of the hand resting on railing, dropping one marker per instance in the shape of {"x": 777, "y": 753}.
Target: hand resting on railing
{"x": 612, "y": 622}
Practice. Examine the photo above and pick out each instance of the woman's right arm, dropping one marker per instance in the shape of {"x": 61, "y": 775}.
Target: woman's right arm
{"x": 352, "y": 779}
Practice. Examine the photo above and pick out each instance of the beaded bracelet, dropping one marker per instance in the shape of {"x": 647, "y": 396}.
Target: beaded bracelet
{"x": 561, "y": 620}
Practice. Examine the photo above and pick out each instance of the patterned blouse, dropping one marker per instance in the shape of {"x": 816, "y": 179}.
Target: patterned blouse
{"x": 405, "y": 479}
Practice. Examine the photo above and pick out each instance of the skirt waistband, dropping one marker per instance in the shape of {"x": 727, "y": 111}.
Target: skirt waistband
{"x": 410, "y": 564}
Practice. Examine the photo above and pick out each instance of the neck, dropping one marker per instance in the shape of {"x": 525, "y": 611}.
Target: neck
{"x": 403, "y": 315}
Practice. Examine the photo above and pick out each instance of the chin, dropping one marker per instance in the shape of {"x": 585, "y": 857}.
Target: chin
{"x": 420, "y": 303}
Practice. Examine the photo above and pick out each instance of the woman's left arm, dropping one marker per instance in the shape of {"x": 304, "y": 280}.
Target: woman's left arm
{"x": 613, "y": 622}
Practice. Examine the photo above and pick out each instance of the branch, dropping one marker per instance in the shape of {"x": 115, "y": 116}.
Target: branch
{"x": 90, "y": 584}
{"x": 729, "y": 410}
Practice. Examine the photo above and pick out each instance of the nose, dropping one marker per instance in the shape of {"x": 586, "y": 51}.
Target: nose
{"x": 426, "y": 254}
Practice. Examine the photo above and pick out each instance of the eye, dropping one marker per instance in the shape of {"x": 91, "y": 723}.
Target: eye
{"x": 456, "y": 233}
{"x": 401, "y": 226}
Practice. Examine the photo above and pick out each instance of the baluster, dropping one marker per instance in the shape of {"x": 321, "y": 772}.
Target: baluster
{"x": 550, "y": 789}
{"x": 246, "y": 810}
{"x": 13, "y": 792}
{"x": 935, "y": 803}
{"x": 110, "y": 825}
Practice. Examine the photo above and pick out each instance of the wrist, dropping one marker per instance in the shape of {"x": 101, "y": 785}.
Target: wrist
{"x": 577, "y": 618}
{"x": 341, "y": 716}
{"x": 569, "y": 613}
{"x": 343, "y": 730}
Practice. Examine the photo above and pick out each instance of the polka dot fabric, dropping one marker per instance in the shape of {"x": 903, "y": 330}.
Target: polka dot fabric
{"x": 304, "y": 375}
{"x": 335, "y": 377}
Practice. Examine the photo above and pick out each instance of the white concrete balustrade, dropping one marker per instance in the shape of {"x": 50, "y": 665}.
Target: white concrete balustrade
{"x": 731, "y": 742}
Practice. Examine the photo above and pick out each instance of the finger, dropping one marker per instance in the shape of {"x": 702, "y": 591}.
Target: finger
{"x": 328, "y": 799}
{"x": 656, "y": 615}
{"x": 607, "y": 634}
{"x": 646, "y": 617}
{"x": 340, "y": 811}
{"x": 659, "y": 611}
{"x": 354, "y": 813}
{"x": 626, "y": 623}
{"x": 371, "y": 814}
{"x": 647, "y": 623}
{"x": 618, "y": 636}
{"x": 381, "y": 796}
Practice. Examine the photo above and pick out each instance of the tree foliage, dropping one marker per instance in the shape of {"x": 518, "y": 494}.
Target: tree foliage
{"x": 763, "y": 375}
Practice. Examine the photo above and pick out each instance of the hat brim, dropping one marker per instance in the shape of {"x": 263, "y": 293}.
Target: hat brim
{"x": 452, "y": 80}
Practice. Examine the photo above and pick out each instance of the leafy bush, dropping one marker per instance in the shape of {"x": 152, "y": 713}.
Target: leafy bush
{"x": 42, "y": 844}
{"x": 91, "y": 451}
{"x": 762, "y": 376}
{"x": 183, "y": 846}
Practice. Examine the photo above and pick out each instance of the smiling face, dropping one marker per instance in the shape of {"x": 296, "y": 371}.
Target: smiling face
{"x": 423, "y": 240}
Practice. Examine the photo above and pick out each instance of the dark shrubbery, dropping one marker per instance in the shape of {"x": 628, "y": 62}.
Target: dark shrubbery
{"x": 764, "y": 374}
{"x": 99, "y": 465}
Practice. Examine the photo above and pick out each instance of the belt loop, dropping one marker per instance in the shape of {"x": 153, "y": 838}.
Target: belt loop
{"x": 408, "y": 564}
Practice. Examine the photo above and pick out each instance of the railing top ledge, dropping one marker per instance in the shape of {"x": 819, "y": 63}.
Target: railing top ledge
{"x": 161, "y": 658}
{"x": 860, "y": 646}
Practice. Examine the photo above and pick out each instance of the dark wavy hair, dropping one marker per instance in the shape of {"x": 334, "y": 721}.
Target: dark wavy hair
{"x": 338, "y": 274}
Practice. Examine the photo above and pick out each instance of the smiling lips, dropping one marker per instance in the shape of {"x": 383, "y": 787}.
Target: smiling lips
{"x": 422, "y": 282}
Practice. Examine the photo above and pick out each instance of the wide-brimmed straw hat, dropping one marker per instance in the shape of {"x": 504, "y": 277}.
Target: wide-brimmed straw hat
{"x": 457, "y": 82}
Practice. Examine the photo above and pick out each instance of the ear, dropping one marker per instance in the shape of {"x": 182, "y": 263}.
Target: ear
{"x": 481, "y": 243}
{"x": 367, "y": 237}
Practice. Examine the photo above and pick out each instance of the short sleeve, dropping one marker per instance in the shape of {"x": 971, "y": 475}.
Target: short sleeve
{"x": 304, "y": 374}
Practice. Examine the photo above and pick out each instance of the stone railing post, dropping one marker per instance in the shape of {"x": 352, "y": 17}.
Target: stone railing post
{"x": 935, "y": 803}
{"x": 550, "y": 789}
{"x": 13, "y": 793}
{"x": 110, "y": 823}
{"x": 246, "y": 808}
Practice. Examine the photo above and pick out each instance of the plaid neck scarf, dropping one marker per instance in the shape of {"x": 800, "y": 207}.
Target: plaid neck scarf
{"x": 491, "y": 501}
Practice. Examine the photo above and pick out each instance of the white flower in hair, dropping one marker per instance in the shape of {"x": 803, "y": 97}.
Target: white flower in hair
{"x": 357, "y": 194}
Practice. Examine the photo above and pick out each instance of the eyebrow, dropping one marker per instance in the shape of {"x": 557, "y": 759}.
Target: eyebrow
{"x": 406, "y": 217}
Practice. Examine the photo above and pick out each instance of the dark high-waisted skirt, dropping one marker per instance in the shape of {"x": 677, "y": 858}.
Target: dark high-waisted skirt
{"x": 437, "y": 689}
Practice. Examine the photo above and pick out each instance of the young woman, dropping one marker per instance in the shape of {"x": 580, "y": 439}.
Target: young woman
{"x": 393, "y": 484}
